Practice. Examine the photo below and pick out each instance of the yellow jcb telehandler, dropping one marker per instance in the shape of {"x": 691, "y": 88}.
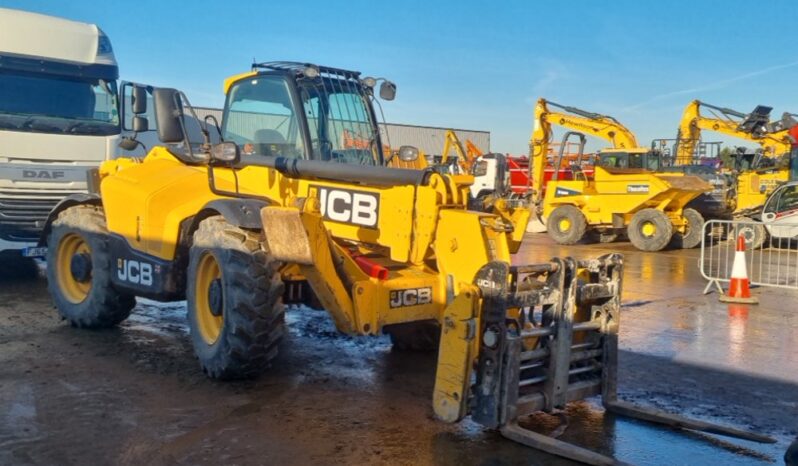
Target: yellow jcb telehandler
{"x": 281, "y": 212}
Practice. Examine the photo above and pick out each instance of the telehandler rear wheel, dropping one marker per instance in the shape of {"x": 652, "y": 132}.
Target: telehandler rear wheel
{"x": 694, "y": 229}
{"x": 650, "y": 230}
{"x": 566, "y": 224}
{"x": 235, "y": 307}
{"x": 79, "y": 270}
{"x": 415, "y": 336}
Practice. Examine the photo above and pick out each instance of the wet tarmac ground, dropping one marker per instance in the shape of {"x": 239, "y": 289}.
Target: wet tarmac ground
{"x": 135, "y": 395}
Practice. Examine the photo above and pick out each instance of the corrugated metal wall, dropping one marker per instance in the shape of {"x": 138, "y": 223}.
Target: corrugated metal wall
{"x": 428, "y": 139}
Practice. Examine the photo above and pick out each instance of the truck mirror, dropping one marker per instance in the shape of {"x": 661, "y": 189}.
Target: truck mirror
{"x": 387, "y": 90}
{"x": 168, "y": 115}
{"x": 138, "y": 100}
{"x": 140, "y": 124}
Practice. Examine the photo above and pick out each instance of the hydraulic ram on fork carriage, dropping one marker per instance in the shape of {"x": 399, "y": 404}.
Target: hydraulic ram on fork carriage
{"x": 563, "y": 347}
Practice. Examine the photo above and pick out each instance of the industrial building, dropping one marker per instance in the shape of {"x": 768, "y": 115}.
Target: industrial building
{"x": 429, "y": 139}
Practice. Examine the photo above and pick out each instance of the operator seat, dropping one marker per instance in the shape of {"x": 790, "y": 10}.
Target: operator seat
{"x": 265, "y": 141}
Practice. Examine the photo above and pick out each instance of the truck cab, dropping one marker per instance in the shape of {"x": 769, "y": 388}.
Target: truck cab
{"x": 59, "y": 116}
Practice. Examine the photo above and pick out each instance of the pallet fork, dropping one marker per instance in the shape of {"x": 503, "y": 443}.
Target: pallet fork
{"x": 563, "y": 348}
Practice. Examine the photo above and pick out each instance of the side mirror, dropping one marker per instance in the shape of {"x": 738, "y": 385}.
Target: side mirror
{"x": 138, "y": 100}
{"x": 225, "y": 152}
{"x": 407, "y": 153}
{"x": 387, "y": 90}
{"x": 128, "y": 144}
{"x": 140, "y": 124}
{"x": 168, "y": 115}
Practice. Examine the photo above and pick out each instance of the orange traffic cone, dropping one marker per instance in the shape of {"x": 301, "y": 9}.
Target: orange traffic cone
{"x": 739, "y": 291}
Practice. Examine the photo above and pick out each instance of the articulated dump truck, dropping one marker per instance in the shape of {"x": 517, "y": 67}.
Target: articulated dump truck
{"x": 282, "y": 212}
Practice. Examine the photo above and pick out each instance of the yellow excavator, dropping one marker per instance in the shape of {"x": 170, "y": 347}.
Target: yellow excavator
{"x": 756, "y": 177}
{"x": 624, "y": 194}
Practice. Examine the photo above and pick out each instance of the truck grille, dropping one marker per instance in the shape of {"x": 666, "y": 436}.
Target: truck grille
{"x": 22, "y": 214}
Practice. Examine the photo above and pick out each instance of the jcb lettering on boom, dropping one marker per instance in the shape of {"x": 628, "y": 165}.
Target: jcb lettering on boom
{"x": 348, "y": 206}
{"x": 410, "y": 297}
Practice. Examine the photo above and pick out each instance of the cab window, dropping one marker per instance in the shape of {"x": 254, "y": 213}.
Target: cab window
{"x": 784, "y": 200}
{"x": 261, "y": 118}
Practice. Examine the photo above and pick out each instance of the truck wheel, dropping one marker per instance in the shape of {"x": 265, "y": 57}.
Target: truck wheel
{"x": 234, "y": 301}
{"x": 415, "y": 336}
{"x": 694, "y": 229}
{"x": 755, "y": 235}
{"x": 566, "y": 224}
{"x": 79, "y": 270}
{"x": 650, "y": 230}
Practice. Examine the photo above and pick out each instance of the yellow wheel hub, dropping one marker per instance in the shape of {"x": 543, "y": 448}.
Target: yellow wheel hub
{"x": 73, "y": 289}
{"x": 564, "y": 224}
{"x": 208, "y": 277}
{"x": 649, "y": 229}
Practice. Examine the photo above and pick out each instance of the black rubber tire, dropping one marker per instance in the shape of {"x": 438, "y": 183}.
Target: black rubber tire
{"x": 755, "y": 235}
{"x": 103, "y": 306}
{"x": 663, "y": 230}
{"x": 252, "y": 297}
{"x": 415, "y": 336}
{"x": 694, "y": 230}
{"x": 576, "y": 230}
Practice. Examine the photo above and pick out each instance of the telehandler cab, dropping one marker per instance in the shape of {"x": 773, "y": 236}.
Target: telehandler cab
{"x": 280, "y": 212}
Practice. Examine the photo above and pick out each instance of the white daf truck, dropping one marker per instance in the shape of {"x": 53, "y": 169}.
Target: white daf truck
{"x": 59, "y": 116}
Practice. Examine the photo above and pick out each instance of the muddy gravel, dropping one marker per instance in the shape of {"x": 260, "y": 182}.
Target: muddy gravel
{"x": 135, "y": 395}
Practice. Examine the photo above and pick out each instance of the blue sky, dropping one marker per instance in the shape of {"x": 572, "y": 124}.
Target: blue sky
{"x": 474, "y": 65}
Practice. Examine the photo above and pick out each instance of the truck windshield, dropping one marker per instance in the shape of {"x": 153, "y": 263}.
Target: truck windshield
{"x": 57, "y": 105}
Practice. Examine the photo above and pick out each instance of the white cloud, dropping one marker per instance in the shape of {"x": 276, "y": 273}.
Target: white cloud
{"x": 712, "y": 86}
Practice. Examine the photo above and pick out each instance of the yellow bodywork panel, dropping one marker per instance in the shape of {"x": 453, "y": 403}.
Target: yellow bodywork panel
{"x": 458, "y": 348}
{"x": 753, "y": 188}
{"x": 623, "y": 192}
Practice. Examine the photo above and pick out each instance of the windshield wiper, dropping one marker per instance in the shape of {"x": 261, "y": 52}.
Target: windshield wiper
{"x": 7, "y": 123}
{"x": 33, "y": 124}
{"x": 87, "y": 128}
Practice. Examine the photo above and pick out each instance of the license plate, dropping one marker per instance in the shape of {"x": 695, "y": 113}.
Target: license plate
{"x": 34, "y": 252}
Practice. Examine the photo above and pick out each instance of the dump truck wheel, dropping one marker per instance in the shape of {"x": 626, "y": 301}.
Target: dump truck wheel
{"x": 234, "y": 301}
{"x": 650, "y": 230}
{"x": 415, "y": 336}
{"x": 79, "y": 270}
{"x": 566, "y": 225}
{"x": 694, "y": 229}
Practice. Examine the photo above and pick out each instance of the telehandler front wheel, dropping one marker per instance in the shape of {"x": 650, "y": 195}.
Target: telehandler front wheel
{"x": 693, "y": 230}
{"x": 79, "y": 270}
{"x": 650, "y": 230}
{"x": 234, "y": 301}
{"x": 566, "y": 225}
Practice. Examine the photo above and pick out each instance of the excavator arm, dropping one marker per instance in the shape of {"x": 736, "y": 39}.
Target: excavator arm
{"x": 748, "y": 127}
{"x": 590, "y": 123}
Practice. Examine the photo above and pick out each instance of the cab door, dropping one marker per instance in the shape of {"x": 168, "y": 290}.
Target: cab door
{"x": 780, "y": 214}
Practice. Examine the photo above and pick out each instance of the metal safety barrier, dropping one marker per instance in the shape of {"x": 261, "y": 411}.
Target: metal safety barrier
{"x": 770, "y": 261}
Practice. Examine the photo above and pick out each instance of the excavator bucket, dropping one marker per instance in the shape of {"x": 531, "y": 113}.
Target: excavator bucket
{"x": 562, "y": 347}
